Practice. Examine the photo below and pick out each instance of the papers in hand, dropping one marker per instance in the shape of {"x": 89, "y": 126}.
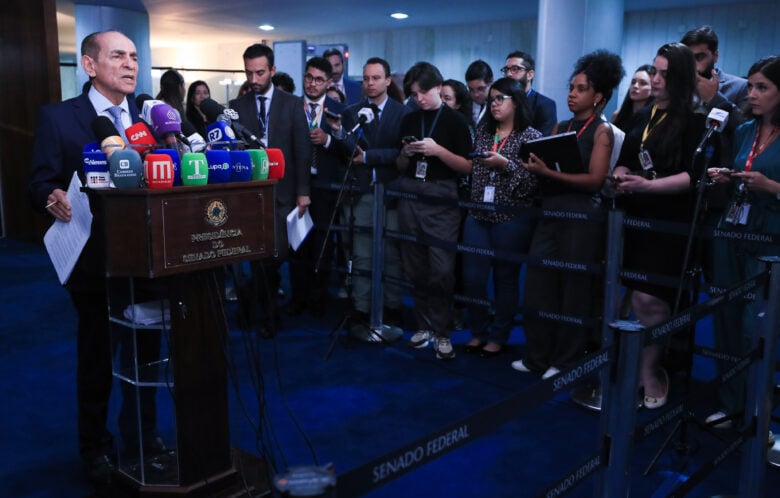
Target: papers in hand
{"x": 64, "y": 241}
{"x": 298, "y": 227}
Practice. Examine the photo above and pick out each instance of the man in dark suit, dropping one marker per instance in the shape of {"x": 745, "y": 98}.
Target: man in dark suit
{"x": 350, "y": 89}
{"x": 279, "y": 119}
{"x": 374, "y": 161}
{"x": 328, "y": 160}
{"x": 520, "y": 66}
{"x": 109, "y": 58}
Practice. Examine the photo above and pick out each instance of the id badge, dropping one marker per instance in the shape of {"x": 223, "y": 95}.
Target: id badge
{"x": 645, "y": 160}
{"x": 738, "y": 213}
{"x": 422, "y": 169}
{"x": 490, "y": 194}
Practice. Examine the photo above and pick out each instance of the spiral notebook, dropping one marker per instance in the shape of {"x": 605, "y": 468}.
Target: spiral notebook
{"x": 559, "y": 152}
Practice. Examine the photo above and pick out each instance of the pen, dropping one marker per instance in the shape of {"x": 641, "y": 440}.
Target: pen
{"x": 51, "y": 204}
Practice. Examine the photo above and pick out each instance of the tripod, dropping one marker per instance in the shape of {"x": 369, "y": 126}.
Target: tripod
{"x": 690, "y": 273}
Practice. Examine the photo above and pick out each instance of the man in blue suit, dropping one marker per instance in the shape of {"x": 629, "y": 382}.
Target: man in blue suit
{"x": 329, "y": 157}
{"x": 351, "y": 89}
{"x": 110, "y": 60}
{"x": 520, "y": 66}
{"x": 374, "y": 161}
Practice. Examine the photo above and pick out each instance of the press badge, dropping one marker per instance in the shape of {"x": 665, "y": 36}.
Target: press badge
{"x": 422, "y": 169}
{"x": 738, "y": 213}
{"x": 645, "y": 160}
{"x": 490, "y": 194}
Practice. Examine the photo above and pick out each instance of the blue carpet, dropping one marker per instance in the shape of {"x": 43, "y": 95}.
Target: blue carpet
{"x": 363, "y": 402}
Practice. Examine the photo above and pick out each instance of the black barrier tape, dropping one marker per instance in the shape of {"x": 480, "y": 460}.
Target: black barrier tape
{"x": 741, "y": 365}
{"x": 671, "y": 227}
{"x": 695, "y": 478}
{"x": 657, "y": 423}
{"x": 766, "y": 238}
{"x": 396, "y": 463}
{"x": 715, "y": 354}
{"x": 574, "y": 477}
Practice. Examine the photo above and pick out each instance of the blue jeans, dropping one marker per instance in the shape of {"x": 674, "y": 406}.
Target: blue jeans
{"x": 510, "y": 236}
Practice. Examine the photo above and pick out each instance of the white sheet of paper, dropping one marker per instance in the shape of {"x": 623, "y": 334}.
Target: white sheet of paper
{"x": 298, "y": 228}
{"x": 65, "y": 241}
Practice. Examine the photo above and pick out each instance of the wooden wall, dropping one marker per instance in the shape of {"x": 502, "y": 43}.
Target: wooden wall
{"x": 30, "y": 77}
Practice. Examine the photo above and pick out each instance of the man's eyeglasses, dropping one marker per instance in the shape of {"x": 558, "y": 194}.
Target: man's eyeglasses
{"x": 318, "y": 80}
{"x": 513, "y": 69}
{"x": 499, "y": 99}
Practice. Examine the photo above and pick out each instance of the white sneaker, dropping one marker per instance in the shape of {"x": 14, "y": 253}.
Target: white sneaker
{"x": 551, "y": 372}
{"x": 443, "y": 347}
{"x": 714, "y": 417}
{"x": 520, "y": 366}
{"x": 420, "y": 339}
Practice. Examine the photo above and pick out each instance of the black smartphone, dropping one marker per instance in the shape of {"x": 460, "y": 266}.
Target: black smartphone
{"x": 725, "y": 171}
{"x": 409, "y": 139}
{"x": 330, "y": 114}
{"x": 477, "y": 153}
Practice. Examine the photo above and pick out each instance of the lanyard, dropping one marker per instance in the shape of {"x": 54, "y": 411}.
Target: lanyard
{"x": 756, "y": 149}
{"x": 497, "y": 148}
{"x": 650, "y": 125}
{"x": 315, "y": 117}
{"x": 433, "y": 125}
{"x": 584, "y": 127}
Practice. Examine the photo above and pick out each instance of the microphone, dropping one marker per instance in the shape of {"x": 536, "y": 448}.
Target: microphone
{"x": 716, "y": 121}
{"x": 96, "y": 169}
{"x": 365, "y": 116}
{"x": 215, "y": 112}
{"x": 125, "y": 168}
{"x": 194, "y": 169}
{"x": 176, "y": 158}
{"x": 275, "y": 163}
{"x": 240, "y": 166}
{"x": 145, "y": 103}
{"x": 192, "y": 138}
{"x": 140, "y": 138}
{"x": 259, "y": 163}
{"x": 158, "y": 170}
{"x": 219, "y": 166}
{"x": 107, "y": 135}
{"x": 220, "y": 136}
{"x": 166, "y": 123}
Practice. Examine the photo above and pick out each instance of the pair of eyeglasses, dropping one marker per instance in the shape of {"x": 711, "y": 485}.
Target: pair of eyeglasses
{"x": 513, "y": 69}
{"x": 499, "y": 99}
{"x": 308, "y": 78}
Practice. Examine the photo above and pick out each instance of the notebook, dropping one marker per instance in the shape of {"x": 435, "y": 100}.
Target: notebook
{"x": 559, "y": 152}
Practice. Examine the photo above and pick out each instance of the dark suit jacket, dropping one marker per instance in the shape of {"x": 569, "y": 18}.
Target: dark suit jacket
{"x": 542, "y": 112}
{"x": 62, "y": 131}
{"x": 288, "y": 130}
{"x": 353, "y": 90}
{"x": 381, "y": 142}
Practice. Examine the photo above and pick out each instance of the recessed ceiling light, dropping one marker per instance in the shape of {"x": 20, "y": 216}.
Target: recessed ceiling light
{"x": 399, "y": 15}
{"x": 266, "y": 27}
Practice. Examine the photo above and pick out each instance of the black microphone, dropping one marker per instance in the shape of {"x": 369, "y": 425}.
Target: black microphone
{"x": 365, "y": 116}
{"x": 109, "y": 138}
{"x": 215, "y": 112}
{"x": 716, "y": 121}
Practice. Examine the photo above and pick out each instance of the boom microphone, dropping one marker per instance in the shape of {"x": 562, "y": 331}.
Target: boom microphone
{"x": 192, "y": 138}
{"x": 716, "y": 121}
{"x": 365, "y": 116}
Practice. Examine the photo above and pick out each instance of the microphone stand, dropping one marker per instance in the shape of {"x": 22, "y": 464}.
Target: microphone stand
{"x": 693, "y": 274}
{"x": 348, "y": 176}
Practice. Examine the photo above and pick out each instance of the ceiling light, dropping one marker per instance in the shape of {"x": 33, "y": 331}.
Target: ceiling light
{"x": 399, "y": 15}
{"x": 266, "y": 27}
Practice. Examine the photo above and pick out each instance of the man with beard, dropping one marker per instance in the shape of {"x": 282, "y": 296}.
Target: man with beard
{"x": 520, "y": 66}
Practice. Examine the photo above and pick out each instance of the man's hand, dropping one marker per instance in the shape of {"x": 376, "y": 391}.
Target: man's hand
{"x": 318, "y": 136}
{"x": 707, "y": 88}
{"x": 58, "y": 205}
{"x": 358, "y": 157}
{"x": 303, "y": 202}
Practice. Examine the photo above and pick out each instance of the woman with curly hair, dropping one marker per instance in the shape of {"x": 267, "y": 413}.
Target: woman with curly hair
{"x": 553, "y": 345}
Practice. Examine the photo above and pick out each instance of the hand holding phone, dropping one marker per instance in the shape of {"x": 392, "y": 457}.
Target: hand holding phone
{"x": 409, "y": 139}
{"x": 477, "y": 153}
{"x": 331, "y": 114}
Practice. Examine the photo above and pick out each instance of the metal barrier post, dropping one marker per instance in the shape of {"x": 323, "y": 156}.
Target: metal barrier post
{"x": 760, "y": 388}
{"x": 377, "y": 257}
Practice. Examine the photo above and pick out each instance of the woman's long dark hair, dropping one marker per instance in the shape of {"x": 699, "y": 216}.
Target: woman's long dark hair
{"x": 171, "y": 90}
{"x": 770, "y": 68}
{"x": 514, "y": 89}
{"x": 626, "y": 112}
{"x": 463, "y": 99}
{"x": 193, "y": 116}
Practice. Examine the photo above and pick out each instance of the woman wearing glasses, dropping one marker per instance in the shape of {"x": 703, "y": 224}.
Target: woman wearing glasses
{"x": 655, "y": 177}
{"x": 498, "y": 179}
{"x": 555, "y": 344}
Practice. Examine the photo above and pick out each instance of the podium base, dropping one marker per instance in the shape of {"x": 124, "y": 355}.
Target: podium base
{"x": 247, "y": 478}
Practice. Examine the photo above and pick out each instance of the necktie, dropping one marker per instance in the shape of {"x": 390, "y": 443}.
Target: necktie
{"x": 261, "y": 116}
{"x": 312, "y": 125}
{"x": 116, "y": 113}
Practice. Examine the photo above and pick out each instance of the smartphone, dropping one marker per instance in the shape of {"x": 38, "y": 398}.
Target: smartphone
{"x": 725, "y": 171}
{"x": 409, "y": 139}
{"x": 613, "y": 178}
{"x": 330, "y": 114}
{"x": 477, "y": 153}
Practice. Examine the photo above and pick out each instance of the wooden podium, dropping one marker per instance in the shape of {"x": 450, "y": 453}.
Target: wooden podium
{"x": 175, "y": 237}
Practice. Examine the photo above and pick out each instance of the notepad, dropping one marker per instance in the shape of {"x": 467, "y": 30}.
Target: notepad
{"x": 559, "y": 152}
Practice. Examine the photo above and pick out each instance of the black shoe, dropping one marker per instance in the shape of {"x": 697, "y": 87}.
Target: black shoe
{"x": 473, "y": 349}
{"x": 358, "y": 317}
{"x": 485, "y": 353}
{"x": 99, "y": 469}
